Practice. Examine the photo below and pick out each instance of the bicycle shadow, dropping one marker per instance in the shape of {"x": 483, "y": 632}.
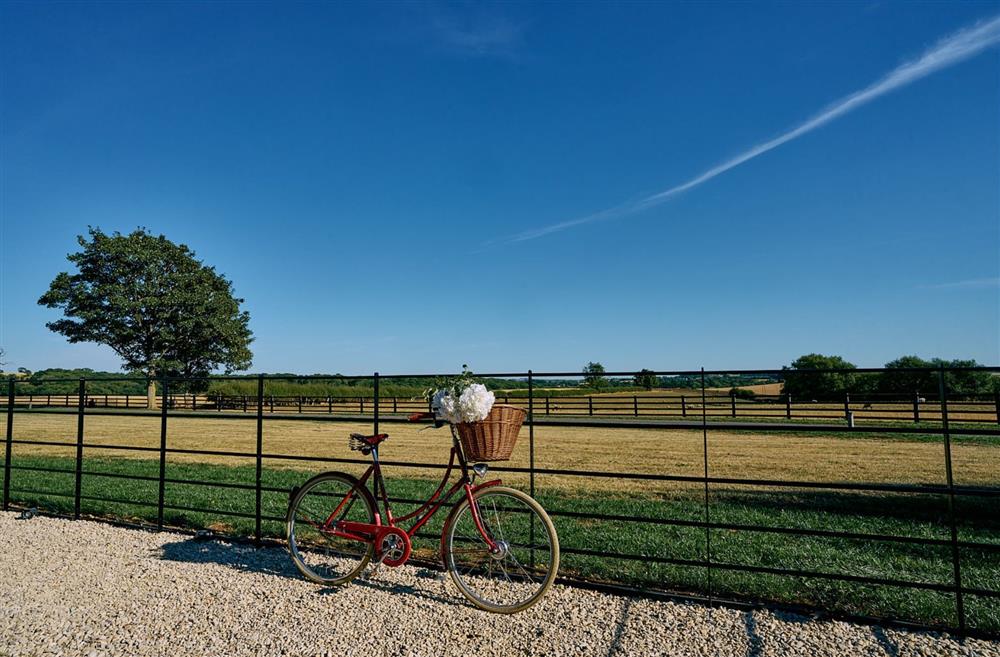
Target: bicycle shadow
{"x": 276, "y": 562}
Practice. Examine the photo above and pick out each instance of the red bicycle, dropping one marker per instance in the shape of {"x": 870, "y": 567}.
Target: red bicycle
{"x": 498, "y": 544}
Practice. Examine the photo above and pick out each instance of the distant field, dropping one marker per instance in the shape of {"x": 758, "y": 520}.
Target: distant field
{"x": 791, "y": 456}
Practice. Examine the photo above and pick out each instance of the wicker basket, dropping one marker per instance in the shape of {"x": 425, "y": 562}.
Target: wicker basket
{"x": 493, "y": 438}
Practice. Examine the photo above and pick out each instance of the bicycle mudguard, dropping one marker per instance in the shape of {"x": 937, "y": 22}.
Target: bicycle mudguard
{"x": 486, "y": 484}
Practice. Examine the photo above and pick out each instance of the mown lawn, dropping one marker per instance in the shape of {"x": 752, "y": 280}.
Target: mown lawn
{"x": 900, "y": 514}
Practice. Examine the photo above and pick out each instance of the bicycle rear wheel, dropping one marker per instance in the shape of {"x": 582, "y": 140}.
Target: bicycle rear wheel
{"x": 522, "y": 570}
{"x": 318, "y": 554}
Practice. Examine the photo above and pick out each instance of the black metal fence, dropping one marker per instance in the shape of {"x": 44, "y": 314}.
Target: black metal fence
{"x": 870, "y": 407}
{"x": 698, "y": 412}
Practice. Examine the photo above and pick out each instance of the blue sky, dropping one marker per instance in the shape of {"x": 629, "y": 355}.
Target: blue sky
{"x": 359, "y": 173}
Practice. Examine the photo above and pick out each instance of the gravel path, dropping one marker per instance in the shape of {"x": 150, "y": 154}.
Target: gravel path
{"x": 85, "y": 588}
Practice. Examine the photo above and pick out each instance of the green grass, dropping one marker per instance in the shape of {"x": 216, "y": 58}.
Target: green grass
{"x": 907, "y": 515}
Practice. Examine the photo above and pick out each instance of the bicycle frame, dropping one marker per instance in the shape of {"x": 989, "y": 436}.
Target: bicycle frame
{"x": 375, "y": 532}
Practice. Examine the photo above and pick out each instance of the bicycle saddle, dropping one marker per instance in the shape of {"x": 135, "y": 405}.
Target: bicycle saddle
{"x": 361, "y": 441}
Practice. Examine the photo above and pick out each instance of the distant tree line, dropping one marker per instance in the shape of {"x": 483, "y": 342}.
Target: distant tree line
{"x": 802, "y": 381}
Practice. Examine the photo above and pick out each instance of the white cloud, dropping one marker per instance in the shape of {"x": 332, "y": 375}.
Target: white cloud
{"x": 478, "y": 35}
{"x": 947, "y": 52}
{"x": 969, "y": 284}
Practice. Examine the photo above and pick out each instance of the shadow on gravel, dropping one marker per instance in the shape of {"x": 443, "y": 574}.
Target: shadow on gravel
{"x": 403, "y": 589}
{"x": 616, "y": 641}
{"x": 275, "y": 561}
{"x": 270, "y": 561}
{"x": 890, "y": 646}
{"x": 755, "y": 645}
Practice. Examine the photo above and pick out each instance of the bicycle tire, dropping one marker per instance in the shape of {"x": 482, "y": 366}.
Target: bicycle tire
{"x": 350, "y": 556}
{"x": 474, "y": 584}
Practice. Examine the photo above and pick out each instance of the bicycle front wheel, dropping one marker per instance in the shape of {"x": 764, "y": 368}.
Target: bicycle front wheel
{"x": 318, "y": 554}
{"x": 521, "y": 570}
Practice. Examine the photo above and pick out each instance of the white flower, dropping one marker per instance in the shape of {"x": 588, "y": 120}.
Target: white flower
{"x": 444, "y": 406}
{"x": 473, "y": 404}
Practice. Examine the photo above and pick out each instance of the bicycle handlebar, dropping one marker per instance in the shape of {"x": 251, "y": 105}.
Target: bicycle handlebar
{"x": 417, "y": 417}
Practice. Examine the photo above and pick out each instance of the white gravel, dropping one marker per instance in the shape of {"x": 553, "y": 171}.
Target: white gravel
{"x": 86, "y": 588}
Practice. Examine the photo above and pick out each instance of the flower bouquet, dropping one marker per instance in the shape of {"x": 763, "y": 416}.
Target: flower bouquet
{"x": 486, "y": 430}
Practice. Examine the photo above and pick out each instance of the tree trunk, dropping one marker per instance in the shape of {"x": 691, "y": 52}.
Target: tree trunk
{"x": 151, "y": 394}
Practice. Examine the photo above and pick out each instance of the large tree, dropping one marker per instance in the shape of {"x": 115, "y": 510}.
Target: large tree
{"x": 159, "y": 308}
{"x": 803, "y": 381}
{"x": 645, "y": 379}
{"x": 593, "y": 376}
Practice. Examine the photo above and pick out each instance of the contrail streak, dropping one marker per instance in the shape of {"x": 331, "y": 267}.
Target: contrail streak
{"x": 949, "y": 51}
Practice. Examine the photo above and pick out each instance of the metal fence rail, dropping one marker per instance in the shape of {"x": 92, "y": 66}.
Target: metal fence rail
{"x": 693, "y": 412}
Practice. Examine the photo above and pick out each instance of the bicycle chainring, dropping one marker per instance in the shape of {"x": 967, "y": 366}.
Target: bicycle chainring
{"x": 394, "y": 548}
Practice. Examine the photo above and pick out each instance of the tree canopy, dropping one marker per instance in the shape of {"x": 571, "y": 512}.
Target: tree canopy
{"x": 898, "y": 379}
{"x": 801, "y": 383}
{"x": 593, "y": 375}
{"x": 645, "y": 379}
{"x": 159, "y": 308}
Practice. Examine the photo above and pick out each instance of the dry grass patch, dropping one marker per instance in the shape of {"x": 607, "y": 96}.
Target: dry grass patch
{"x": 652, "y": 451}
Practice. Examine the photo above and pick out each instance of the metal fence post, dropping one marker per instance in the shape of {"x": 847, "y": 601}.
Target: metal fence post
{"x": 546, "y": 404}
{"x": 8, "y": 442}
{"x": 956, "y": 558}
{"x": 260, "y": 451}
{"x": 635, "y": 404}
{"x": 847, "y": 406}
{"x": 684, "y": 410}
{"x": 300, "y": 403}
{"x": 531, "y": 431}
{"x": 163, "y": 458}
{"x": 788, "y": 406}
{"x": 590, "y": 405}
{"x": 531, "y": 457}
{"x": 916, "y": 406}
{"x": 81, "y": 402}
{"x": 996, "y": 405}
{"x": 732, "y": 401}
{"x": 375, "y": 407}
{"x": 704, "y": 438}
